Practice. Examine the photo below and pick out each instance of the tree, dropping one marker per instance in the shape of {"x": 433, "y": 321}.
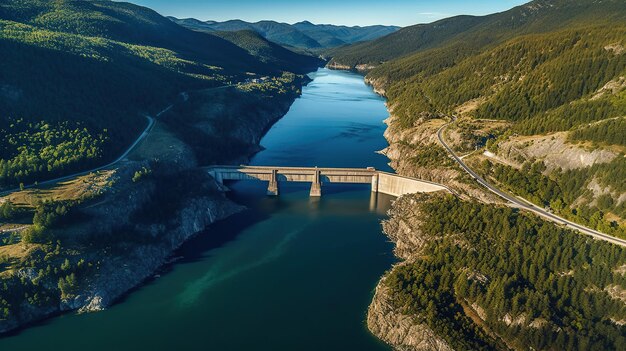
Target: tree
{"x": 7, "y": 210}
{"x": 67, "y": 285}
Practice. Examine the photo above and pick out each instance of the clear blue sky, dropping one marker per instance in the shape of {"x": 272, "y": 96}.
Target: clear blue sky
{"x": 348, "y": 12}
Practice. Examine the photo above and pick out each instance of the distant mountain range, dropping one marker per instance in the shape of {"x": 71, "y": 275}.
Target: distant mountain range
{"x": 304, "y": 35}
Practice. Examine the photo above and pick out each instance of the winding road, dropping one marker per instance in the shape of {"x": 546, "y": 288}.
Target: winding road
{"x": 522, "y": 204}
{"x": 151, "y": 120}
{"x": 141, "y": 137}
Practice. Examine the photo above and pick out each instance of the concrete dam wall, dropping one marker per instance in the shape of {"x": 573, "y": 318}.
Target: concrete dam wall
{"x": 382, "y": 182}
{"x": 396, "y": 185}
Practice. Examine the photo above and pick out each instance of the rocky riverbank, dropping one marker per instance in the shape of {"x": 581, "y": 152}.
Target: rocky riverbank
{"x": 410, "y": 152}
{"x": 385, "y": 321}
{"x": 151, "y": 204}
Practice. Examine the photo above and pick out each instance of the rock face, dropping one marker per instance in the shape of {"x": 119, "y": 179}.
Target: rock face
{"x": 554, "y": 151}
{"x": 400, "y": 330}
{"x": 402, "y": 228}
{"x": 375, "y": 84}
{"x": 385, "y": 321}
{"x": 335, "y": 65}
{"x": 120, "y": 273}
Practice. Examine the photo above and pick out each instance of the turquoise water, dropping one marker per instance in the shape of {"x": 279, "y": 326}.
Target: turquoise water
{"x": 291, "y": 273}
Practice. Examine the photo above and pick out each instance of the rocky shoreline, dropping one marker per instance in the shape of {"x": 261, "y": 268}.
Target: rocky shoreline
{"x": 390, "y": 325}
{"x": 192, "y": 200}
{"x": 399, "y": 330}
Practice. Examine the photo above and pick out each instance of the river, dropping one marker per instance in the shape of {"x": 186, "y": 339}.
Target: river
{"x": 290, "y": 273}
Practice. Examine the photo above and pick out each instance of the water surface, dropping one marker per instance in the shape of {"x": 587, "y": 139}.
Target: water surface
{"x": 291, "y": 273}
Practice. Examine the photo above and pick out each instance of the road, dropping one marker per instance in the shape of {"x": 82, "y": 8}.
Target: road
{"x": 140, "y": 138}
{"x": 522, "y": 204}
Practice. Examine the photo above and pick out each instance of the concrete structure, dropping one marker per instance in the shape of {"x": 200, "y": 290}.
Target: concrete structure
{"x": 381, "y": 182}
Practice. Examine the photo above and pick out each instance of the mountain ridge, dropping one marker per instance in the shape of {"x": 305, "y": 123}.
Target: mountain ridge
{"x": 477, "y": 32}
{"x": 303, "y": 34}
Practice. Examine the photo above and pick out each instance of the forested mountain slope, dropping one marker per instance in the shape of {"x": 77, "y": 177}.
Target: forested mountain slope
{"x": 461, "y": 36}
{"x": 490, "y": 278}
{"x": 405, "y": 41}
{"x": 80, "y": 74}
{"x": 536, "y": 101}
{"x": 525, "y": 78}
{"x": 269, "y": 52}
{"x": 305, "y": 35}
{"x": 560, "y": 70}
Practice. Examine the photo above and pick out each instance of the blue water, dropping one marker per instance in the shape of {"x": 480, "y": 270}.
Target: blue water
{"x": 290, "y": 273}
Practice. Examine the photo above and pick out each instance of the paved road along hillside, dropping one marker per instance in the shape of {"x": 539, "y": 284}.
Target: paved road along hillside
{"x": 523, "y": 205}
{"x": 141, "y": 137}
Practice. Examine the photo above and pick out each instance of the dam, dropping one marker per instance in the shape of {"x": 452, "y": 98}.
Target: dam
{"x": 381, "y": 182}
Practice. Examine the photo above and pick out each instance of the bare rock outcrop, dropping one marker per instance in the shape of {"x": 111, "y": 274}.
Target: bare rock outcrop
{"x": 399, "y": 330}
{"x": 384, "y": 320}
{"x": 554, "y": 151}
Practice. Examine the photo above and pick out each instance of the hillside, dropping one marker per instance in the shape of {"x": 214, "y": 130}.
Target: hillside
{"x": 96, "y": 67}
{"x": 403, "y": 42}
{"x": 269, "y": 52}
{"x": 304, "y": 35}
{"x": 559, "y": 70}
{"x": 534, "y": 100}
{"x": 461, "y": 36}
{"x": 484, "y": 277}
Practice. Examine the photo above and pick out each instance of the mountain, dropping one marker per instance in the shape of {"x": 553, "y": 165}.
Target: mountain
{"x": 552, "y": 71}
{"x": 300, "y": 35}
{"x": 269, "y": 52}
{"x": 532, "y": 100}
{"x": 331, "y": 35}
{"x": 280, "y": 33}
{"x": 462, "y": 35}
{"x": 95, "y": 67}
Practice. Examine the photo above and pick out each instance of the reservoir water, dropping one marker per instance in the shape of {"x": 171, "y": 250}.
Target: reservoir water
{"x": 290, "y": 273}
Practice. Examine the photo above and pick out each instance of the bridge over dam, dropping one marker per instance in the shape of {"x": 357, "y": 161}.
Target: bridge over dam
{"x": 381, "y": 182}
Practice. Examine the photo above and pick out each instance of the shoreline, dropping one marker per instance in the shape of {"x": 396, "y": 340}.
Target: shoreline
{"x": 388, "y": 325}
{"x": 195, "y": 215}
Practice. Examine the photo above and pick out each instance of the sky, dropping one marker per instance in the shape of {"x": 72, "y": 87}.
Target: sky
{"x": 345, "y": 12}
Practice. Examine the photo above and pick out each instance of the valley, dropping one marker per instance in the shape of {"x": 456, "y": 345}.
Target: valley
{"x": 68, "y": 228}
{"x": 111, "y": 112}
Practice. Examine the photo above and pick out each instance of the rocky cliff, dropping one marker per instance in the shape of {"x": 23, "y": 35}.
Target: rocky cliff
{"x": 414, "y": 151}
{"x": 383, "y": 319}
{"x": 400, "y": 330}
